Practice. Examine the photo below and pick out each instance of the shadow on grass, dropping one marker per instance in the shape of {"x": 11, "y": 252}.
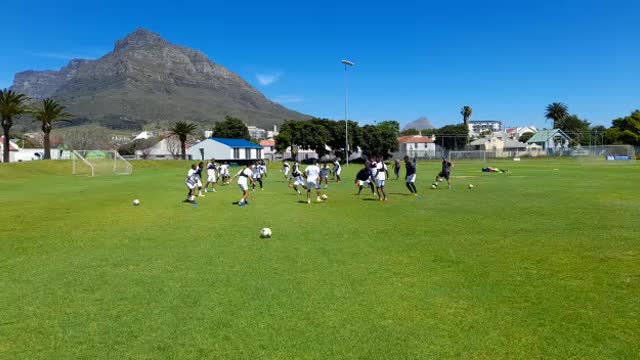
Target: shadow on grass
{"x": 401, "y": 194}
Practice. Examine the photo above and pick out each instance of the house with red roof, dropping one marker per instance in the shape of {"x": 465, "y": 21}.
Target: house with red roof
{"x": 13, "y": 149}
{"x": 420, "y": 146}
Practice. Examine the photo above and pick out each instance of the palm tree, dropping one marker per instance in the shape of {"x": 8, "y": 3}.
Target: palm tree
{"x": 182, "y": 129}
{"x": 12, "y": 105}
{"x": 49, "y": 112}
{"x": 557, "y": 112}
{"x": 466, "y": 114}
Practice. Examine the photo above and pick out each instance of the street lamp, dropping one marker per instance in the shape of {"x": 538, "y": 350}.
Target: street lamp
{"x": 346, "y": 63}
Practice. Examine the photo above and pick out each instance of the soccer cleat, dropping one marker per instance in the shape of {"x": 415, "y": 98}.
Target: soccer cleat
{"x": 308, "y": 201}
{"x": 318, "y": 199}
{"x": 299, "y": 193}
{"x": 201, "y": 195}
{"x": 261, "y": 189}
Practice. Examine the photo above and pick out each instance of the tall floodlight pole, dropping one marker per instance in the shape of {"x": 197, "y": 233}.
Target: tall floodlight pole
{"x": 346, "y": 63}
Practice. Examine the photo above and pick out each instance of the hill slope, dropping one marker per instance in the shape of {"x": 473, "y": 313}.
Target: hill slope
{"x": 146, "y": 79}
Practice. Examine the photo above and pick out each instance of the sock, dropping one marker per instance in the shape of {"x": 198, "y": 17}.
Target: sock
{"x": 415, "y": 190}
{"x": 409, "y": 187}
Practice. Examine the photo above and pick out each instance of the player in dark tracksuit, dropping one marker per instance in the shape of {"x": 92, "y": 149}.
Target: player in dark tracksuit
{"x": 445, "y": 173}
{"x": 364, "y": 177}
{"x": 396, "y": 168}
{"x": 410, "y": 177}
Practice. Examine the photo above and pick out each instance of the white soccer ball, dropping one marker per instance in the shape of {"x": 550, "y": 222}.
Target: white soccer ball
{"x": 470, "y": 186}
{"x": 324, "y": 197}
{"x": 136, "y": 202}
{"x": 265, "y": 233}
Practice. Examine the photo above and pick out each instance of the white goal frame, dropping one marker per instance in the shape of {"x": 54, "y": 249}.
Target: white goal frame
{"x": 120, "y": 165}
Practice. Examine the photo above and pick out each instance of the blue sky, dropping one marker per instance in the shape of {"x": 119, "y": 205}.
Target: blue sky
{"x": 506, "y": 59}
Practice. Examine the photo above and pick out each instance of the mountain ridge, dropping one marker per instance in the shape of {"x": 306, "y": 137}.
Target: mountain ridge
{"x": 146, "y": 79}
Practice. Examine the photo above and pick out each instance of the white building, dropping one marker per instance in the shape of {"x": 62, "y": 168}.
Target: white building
{"x": 225, "y": 149}
{"x": 144, "y": 135}
{"x": 516, "y": 133}
{"x": 417, "y": 146}
{"x": 476, "y": 127}
{"x": 165, "y": 149}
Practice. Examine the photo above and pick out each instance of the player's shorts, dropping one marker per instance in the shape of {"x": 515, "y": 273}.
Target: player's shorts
{"x": 298, "y": 182}
{"x": 313, "y": 184}
{"x": 244, "y": 187}
{"x": 411, "y": 178}
{"x": 211, "y": 178}
{"x": 380, "y": 183}
{"x": 199, "y": 182}
{"x": 286, "y": 171}
{"x": 444, "y": 174}
{"x": 363, "y": 182}
{"x": 190, "y": 184}
{"x": 338, "y": 171}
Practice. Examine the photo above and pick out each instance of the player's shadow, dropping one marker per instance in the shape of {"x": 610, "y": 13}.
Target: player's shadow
{"x": 370, "y": 199}
{"x": 401, "y": 194}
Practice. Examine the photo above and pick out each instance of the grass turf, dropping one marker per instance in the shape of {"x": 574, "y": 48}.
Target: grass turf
{"x": 541, "y": 263}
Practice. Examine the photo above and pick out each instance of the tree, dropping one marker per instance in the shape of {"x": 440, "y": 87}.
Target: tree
{"x": 575, "y": 127}
{"x": 380, "y": 140}
{"x": 525, "y": 136}
{"x": 409, "y": 132}
{"x": 182, "y": 130}
{"x": 557, "y": 111}
{"x": 466, "y": 114}
{"x": 231, "y": 128}
{"x": 451, "y": 136}
{"x": 49, "y": 112}
{"x": 12, "y": 105}
{"x": 87, "y": 138}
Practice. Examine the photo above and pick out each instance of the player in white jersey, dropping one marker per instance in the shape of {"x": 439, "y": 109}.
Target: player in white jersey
{"x": 191, "y": 184}
{"x": 296, "y": 168}
{"x": 224, "y": 173}
{"x": 198, "y": 176}
{"x": 298, "y": 180}
{"x": 312, "y": 173}
{"x": 257, "y": 176}
{"x": 244, "y": 176}
{"x": 211, "y": 176}
{"x": 382, "y": 173}
{"x": 285, "y": 169}
{"x": 337, "y": 170}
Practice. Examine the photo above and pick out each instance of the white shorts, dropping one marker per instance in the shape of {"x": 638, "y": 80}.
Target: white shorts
{"x": 286, "y": 171}
{"x": 243, "y": 187}
{"x": 338, "y": 171}
{"x": 199, "y": 182}
{"x": 211, "y": 178}
{"x": 313, "y": 184}
{"x": 380, "y": 183}
{"x": 363, "y": 182}
{"x": 190, "y": 184}
{"x": 411, "y": 178}
{"x": 298, "y": 183}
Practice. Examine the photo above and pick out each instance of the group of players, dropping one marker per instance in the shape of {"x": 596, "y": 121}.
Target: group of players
{"x": 374, "y": 174}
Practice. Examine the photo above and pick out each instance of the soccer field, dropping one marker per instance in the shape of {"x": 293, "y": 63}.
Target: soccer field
{"x": 543, "y": 262}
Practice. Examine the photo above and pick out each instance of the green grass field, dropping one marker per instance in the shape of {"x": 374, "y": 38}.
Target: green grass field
{"x": 541, "y": 263}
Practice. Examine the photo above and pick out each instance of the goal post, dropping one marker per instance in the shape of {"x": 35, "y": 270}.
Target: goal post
{"x": 100, "y": 162}
{"x": 605, "y": 155}
{"x": 80, "y": 165}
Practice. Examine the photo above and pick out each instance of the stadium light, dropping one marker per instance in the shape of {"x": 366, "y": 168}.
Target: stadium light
{"x": 346, "y": 63}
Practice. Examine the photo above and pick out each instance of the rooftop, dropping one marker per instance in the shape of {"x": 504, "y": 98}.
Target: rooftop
{"x": 415, "y": 139}
{"x": 545, "y": 135}
{"x": 237, "y": 143}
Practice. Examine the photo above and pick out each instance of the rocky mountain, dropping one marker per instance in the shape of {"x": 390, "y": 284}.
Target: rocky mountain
{"x": 421, "y": 123}
{"x": 145, "y": 80}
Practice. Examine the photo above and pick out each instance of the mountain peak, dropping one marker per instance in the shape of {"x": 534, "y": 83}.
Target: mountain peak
{"x": 420, "y": 123}
{"x": 139, "y": 38}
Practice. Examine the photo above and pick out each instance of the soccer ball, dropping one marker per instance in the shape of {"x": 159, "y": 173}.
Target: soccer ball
{"x": 470, "y": 186}
{"x": 136, "y": 202}
{"x": 265, "y": 233}
{"x": 324, "y": 197}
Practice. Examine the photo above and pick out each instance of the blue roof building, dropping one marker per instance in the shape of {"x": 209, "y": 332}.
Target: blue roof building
{"x": 237, "y": 150}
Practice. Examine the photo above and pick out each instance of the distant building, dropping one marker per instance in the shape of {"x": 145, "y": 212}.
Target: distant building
{"x": 476, "y": 127}
{"x": 499, "y": 143}
{"x": 165, "y": 149}
{"x": 260, "y": 134}
{"x": 516, "y": 132}
{"x": 237, "y": 150}
{"x": 419, "y": 146}
{"x": 144, "y": 135}
{"x": 554, "y": 140}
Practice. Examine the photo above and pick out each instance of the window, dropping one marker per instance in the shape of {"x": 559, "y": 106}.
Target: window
{"x": 247, "y": 153}
{"x": 236, "y": 153}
